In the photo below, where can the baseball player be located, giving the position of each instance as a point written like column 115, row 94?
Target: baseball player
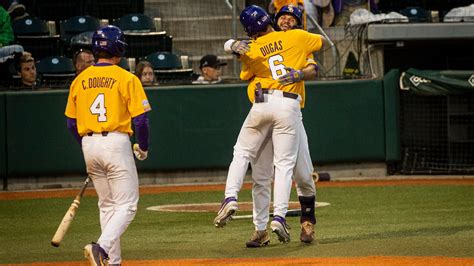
column 288, row 18
column 103, row 100
column 276, row 51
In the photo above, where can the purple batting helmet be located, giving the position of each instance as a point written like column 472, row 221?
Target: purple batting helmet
column 254, row 19
column 109, row 39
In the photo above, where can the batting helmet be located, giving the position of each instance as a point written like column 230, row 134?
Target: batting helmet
column 291, row 10
column 254, row 19
column 109, row 39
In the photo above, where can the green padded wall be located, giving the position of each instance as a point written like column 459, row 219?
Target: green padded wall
column 344, row 121
column 392, row 115
column 38, row 141
column 195, row 127
column 3, row 146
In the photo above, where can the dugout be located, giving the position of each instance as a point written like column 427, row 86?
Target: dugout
column 437, row 122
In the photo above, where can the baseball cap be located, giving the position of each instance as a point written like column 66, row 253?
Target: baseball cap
column 211, row 60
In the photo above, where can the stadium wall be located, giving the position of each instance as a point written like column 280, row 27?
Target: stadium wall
column 195, row 127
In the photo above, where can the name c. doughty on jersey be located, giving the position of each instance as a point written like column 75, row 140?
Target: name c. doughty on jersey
column 98, row 83
column 271, row 48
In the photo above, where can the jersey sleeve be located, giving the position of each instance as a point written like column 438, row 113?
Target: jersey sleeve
column 313, row 42
column 71, row 103
column 138, row 102
column 245, row 73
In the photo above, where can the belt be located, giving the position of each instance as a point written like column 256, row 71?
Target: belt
column 285, row 94
column 103, row 133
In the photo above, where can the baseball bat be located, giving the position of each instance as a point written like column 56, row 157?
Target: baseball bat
column 69, row 216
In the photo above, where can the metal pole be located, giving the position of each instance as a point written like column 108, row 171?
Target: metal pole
column 234, row 35
column 335, row 53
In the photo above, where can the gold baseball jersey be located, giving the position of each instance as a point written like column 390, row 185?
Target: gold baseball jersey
column 106, row 98
column 270, row 54
column 253, row 84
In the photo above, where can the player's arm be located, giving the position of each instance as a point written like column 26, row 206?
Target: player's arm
column 72, row 127
column 309, row 72
column 142, row 132
column 236, row 47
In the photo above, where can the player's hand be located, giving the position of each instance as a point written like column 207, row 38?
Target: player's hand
column 291, row 76
column 240, row 47
column 139, row 153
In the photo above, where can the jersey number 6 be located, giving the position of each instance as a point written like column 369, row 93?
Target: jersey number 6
column 276, row 66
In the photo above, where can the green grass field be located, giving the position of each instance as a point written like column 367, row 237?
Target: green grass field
column 406, row 220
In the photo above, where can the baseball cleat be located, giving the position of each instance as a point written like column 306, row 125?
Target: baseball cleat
column 259, row 238
column 307, row 232
column 228, row 208
column 95, row 254
column 281, row 229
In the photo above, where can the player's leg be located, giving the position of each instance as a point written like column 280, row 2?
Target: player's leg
column 305, row 188
column 95, row 169
column 262, row 175
column 123, row 184
column 252, row 134
column 285, row 145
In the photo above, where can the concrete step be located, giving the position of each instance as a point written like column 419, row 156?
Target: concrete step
column 202, row 27
column 189, row 8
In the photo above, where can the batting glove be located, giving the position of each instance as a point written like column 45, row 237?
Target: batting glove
column 291, row 76
column 139, row 153
column 237, row 47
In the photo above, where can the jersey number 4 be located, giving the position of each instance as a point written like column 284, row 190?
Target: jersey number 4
column 98, row 108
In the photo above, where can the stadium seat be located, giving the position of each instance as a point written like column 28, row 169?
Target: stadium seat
column 141, row 44
column 76, row 25
column 416, row 14
column 30, row 26
column 82, row 40
column 55, row 71
column 124, row 64
column 135, row 23
column 34, row 35
column 169, row 69
column 164, row 60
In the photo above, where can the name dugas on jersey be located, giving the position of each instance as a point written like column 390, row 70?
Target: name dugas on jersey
column 271, row 54
column 271, row 48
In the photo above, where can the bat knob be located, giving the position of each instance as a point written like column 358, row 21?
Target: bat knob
column 54, row 244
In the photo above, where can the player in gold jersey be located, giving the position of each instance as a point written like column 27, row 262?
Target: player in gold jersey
column 289, row 17
column 103, row 100
column 271, row 55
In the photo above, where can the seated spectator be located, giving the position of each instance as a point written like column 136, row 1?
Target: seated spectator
column 7, row 49
column 82, row 59
column 210, row 67
column 26, row 69
column 144, row 71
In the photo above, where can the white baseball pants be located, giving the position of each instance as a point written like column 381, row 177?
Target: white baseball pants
column 280, row 118
column 110, row 164
column 262, row 174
